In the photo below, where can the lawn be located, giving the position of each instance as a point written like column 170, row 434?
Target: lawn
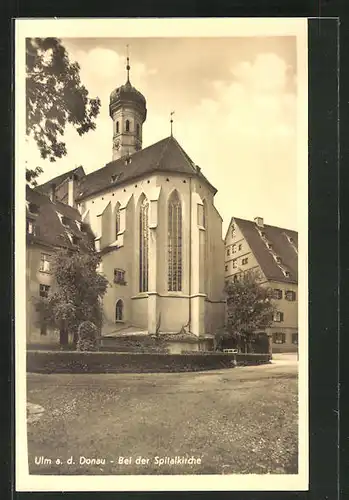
column 240, row 420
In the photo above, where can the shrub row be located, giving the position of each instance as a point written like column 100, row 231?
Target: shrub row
column 107, row 362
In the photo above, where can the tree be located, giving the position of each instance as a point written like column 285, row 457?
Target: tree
column 55, row 97
column 249, row 309
column 76, row 295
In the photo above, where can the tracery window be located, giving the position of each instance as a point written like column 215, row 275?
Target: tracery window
column 119, row 310
column 143, row 245
column 174, row 251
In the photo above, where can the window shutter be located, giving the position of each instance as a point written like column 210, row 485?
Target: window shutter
column 281, row 316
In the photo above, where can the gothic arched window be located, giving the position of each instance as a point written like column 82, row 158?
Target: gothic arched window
column 117, row 127
column 174, row 249
column 119, row 310
column 127, row 125
column 117, row 220
column 143, row 245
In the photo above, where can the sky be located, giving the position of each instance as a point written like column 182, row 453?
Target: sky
column 235, row 103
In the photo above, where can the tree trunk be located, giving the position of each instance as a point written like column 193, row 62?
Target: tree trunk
column 75, row 338
column 63, row 337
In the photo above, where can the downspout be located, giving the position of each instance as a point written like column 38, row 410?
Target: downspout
column 190, row 244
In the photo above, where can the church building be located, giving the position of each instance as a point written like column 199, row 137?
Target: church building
column 157, row 229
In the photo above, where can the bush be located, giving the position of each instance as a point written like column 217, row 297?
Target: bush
column 87, row 337
column 107, row 362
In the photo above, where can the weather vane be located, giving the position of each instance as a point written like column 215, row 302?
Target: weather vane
column 128, row 63
column 171, row 121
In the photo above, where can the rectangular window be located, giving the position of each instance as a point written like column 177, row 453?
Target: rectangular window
column 279, row 338
column 240, row 247
column 277, row 294
column 290, row 295
column 44, row 290
column 244, row 261
column 235, row 264
column 31, row 228
column 43, row 329
column 45, row 263
column 119, row 277
column 226, row 267
column 278, row 317
column 232, row 231
column 295, row 338
column 228, row 251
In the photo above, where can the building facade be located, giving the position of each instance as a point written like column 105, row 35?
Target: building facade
column 271, row 252
column 50, row 225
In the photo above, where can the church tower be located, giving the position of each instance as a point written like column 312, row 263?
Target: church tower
column 128, row 111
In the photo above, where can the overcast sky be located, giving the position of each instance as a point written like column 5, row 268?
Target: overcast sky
column 235, row 114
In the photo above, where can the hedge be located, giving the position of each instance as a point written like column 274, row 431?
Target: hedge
column 107, row 362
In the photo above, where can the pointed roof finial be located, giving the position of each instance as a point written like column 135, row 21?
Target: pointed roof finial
column 128, row 67
column 171, row 121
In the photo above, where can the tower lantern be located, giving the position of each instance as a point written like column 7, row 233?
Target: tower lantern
column 128, row 110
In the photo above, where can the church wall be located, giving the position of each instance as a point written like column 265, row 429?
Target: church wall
column 174, row 313
column 214, row 308
column 172, row 308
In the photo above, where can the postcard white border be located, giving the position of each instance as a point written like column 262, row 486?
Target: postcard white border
column 132, row 28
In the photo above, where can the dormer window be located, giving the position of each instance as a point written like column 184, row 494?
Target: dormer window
column 65, row 221
column 270, row 246
column 277, row 259
column 33, row 208
column 114, row 177
column 75, row 239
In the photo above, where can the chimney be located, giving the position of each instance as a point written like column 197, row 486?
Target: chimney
column 259, row 221
column 53, row 192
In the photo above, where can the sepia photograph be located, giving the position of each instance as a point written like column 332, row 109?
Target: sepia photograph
column 161, row 254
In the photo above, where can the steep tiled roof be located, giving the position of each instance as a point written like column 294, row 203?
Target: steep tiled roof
column 49, row 223
column 46, row 187
column 280, row 240
column 163, row 156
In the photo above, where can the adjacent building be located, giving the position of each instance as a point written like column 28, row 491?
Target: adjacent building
column 272, row 252
column 50, row 225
